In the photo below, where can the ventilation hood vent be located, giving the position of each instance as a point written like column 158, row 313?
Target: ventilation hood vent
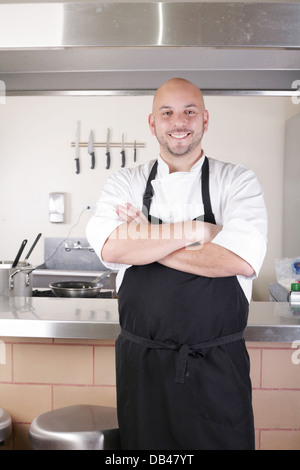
column 96, row 48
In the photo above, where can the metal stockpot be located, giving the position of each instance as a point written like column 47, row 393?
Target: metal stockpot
column 16, row 281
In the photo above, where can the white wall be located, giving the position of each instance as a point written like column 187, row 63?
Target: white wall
column 36, row 158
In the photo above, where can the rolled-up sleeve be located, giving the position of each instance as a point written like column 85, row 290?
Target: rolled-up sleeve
column 105, row 219
column 244, row 222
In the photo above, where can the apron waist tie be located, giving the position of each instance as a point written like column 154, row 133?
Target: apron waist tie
column 184, row 349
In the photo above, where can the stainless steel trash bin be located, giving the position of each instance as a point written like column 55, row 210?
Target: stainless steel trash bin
column 78, row 427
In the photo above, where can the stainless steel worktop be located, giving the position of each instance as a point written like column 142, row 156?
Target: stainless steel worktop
column 36, row 317
column 52, row 317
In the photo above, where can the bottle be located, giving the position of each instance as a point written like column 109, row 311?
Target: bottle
column 294, row 295
column 294, row 299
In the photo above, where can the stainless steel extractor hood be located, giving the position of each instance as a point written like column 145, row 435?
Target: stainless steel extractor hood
column 102, row 48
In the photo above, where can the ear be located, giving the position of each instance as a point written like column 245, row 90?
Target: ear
column 151, row 122
column 206, row 120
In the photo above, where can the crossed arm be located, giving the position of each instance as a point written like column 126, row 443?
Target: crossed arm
column 138, row 242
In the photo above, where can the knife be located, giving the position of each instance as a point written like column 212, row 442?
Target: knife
column 134, row 151
column 77, row 148
column 91, row 149
column 123, row 152
column 107, row 150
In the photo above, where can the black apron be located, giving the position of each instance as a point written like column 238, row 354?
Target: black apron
column 181, row 361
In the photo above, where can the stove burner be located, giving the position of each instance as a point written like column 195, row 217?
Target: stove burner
column 48, row 293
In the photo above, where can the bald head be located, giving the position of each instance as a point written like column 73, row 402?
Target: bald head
column 174, row 87
column 178, row 121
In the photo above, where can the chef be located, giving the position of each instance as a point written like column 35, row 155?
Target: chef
column 188, row 235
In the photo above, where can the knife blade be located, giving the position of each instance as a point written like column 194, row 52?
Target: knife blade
column 123, row 152
column 134, row 151
column 91, row 149
column 108, row 149
column 77, row 149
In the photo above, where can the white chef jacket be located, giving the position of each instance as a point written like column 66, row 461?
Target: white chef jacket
column 236, row 198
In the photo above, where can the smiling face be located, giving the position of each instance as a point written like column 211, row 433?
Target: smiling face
column 178, row 121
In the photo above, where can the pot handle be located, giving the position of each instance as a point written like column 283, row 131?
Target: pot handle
column 11, row 278
column 103, row 276
column 27, row 271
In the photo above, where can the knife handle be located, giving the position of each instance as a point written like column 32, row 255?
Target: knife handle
column 77, row 166
column 93, row 160
column 107, row 160
column 17, row 258
column 123, row 158
column 134, row 155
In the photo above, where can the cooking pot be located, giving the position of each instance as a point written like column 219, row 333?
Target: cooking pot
column 16, row 281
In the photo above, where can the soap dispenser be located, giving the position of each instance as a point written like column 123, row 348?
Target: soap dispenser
column 57, row 207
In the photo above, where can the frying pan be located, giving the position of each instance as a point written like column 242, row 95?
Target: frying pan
column 78, row 288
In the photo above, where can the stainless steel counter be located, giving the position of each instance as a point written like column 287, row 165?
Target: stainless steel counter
column 273, row 321
column 36, row 317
